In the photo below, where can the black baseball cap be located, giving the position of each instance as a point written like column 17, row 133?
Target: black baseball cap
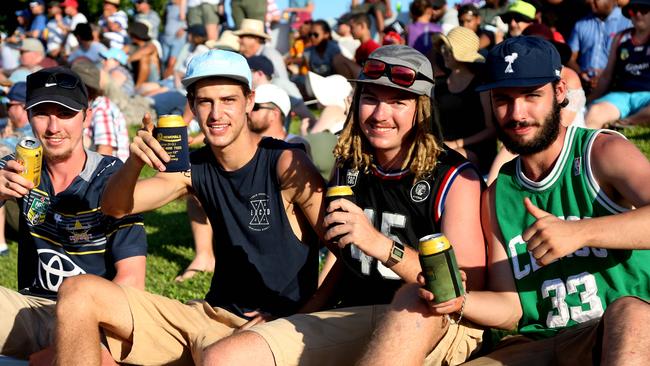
column 58, row 85
column 520, row 62
column 261, row 63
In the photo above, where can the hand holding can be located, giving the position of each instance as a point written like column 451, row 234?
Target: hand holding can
column 335, row 193
column 440, row 269
column 171, row 133
column 29, row 154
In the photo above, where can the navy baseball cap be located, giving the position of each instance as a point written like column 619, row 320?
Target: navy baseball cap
column 261, row 63
column 520, row 62
column 18, row 92
column 58, row 85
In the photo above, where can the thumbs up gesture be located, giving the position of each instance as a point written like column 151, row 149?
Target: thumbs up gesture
column 146, row 148
column 550, row 238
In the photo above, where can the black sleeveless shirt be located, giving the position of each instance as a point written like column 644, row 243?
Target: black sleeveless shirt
column 260, row 263
column 400, row 208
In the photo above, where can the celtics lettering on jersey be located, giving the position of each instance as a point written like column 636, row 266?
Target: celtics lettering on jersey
column 579, row 286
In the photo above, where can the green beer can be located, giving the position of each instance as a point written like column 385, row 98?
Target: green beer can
column 440, row 269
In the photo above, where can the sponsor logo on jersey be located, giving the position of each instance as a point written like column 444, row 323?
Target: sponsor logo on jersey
column 351, row 177
column 37, row 209
column 54, row 268
column 420, row 191
column 260, row 212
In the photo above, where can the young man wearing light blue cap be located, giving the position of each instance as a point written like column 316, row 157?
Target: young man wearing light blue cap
column 567, row 233
column 261, row 196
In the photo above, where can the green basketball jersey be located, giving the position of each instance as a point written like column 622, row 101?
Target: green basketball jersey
column 578, row 287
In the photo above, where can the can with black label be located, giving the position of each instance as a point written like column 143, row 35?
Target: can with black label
column 29, row 154
column 335, row 193
column 440, row 268
column 171, row 133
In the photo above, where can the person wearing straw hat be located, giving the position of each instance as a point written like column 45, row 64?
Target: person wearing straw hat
column 263, row 199
column 464, row 114
column 252, row 42
column 390, row 154
column 566, row 230
column 227, row 41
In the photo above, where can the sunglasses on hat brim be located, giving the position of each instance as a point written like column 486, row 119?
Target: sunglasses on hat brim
column 634, row 9
column 61, row 80
column 398, row 74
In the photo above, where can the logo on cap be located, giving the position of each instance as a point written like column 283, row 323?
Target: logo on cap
column 510, row 59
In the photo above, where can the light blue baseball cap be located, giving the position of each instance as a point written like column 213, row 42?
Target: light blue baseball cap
column 115, row 53
column 218, row 63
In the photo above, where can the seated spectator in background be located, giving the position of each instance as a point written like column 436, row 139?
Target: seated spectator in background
column 110, row 8
column 62, row 231
column 39, row 20
column 623, row 91
column 252, row 42
column 561, row 15
column 88, row 47
column 269, row 114
column 18, row 122
column 143, row 55
column 301, row 42
column 32, row 58
column 23, row 18
column 114, row 63
column 446, row 17
column 376, row 9
column 116, row 37
column 343, row 36
column 72, row 18
column 360, row 25
column 320, row 55
column 299, row 11
column 144, row 12
column 466, row 126
column 106, row 133
column 421, row 29
column 334, row 94
column 593, row 37
column 520, row 15
column 195, row 45
column 173, row 37
column 469, row 17
column 491, row 11
column 262, row 71
column 56, row 33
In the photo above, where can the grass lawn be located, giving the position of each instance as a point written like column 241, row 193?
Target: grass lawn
column 171, row 248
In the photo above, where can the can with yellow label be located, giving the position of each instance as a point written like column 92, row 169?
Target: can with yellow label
column 29, row 154
column 171, row 133
column 440, row 268
column 337, row 192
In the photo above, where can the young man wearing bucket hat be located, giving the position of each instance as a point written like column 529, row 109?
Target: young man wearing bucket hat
column 622, row 96
column 562, row 233
column 252, row 42
column 262, row 197
column 62, row 231
column 391, row 155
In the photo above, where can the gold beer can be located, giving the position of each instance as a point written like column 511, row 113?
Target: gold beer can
column 171, row 133
column 29, row 154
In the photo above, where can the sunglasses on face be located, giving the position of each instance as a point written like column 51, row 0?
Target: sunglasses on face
column 257, row 107
column 314, row 35
column 632, row 10
column 400, row 75
column 507, row 18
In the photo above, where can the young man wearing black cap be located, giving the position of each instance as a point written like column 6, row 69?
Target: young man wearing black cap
column 63, row 232
column 263, row 199
column 407, row 185
column 567, row 231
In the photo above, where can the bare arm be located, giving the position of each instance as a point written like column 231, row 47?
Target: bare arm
column 147, row 50
column 573, row 62
column 461, row 224
column 605, row 79
column 125, row 194
column 131, row 271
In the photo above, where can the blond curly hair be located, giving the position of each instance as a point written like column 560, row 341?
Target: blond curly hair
column 422, row 157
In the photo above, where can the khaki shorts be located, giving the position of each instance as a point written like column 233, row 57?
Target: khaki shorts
column 339, row 337
column 26, row 323
column 166, row 331
column 202, row 14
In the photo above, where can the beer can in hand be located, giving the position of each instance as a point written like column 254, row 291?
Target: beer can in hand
column 440, row 269
column 29, row 154
column 171, row 133
column 335, row 193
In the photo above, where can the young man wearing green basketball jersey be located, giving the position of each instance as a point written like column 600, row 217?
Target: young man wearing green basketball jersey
column 560, row 219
